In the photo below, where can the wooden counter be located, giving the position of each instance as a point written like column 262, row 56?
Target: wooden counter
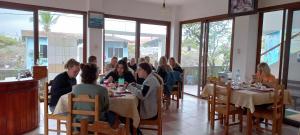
column 19, row 110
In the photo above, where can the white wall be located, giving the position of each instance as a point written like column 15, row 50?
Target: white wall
column 244, row 53
column 201, row 9
column 137, row 9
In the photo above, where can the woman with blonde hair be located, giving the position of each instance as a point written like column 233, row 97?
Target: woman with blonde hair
column 264, row 74
column 163, row 69
column 175, row 66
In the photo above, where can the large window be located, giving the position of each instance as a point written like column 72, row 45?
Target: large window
column 153, row 42
column 60, row 38
column 16, row 55
column 271, row 40
column 120, row 36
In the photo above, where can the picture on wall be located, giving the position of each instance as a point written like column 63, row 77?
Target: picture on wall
column 242, row 7
column 96, row 20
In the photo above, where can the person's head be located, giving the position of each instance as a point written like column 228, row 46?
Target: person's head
column 114, row 61
column 163, row 61
column 147, row 59
column 263, row 68
column 132, row 61
column 73, row 68
column 121, row 67
column 92, row 59
column 143, row 70
column 141, row 60
column 125, row 59
column 172, row 61
column 89, row 73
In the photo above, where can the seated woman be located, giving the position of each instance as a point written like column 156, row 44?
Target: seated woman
column 62, row 83
column 121, row 71
column 175, row 66
column 89, row 87
column 147, row 92
column 163, row 70
column 264, row 75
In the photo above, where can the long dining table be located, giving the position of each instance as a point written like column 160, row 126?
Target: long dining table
column 248, row 98
column 125, row 106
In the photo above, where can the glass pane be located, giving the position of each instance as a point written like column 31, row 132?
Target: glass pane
column 219, row 47
column 153, row 42
column 16, row 50
column 293, row 83
column 190, row 47
column 271, row 40
column 119, row 39
column 60, row 39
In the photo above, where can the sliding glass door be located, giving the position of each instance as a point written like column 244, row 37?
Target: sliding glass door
column 190, row 57
column 271, row 40
column 205, row 51
column 292, row 113
column 219, row 47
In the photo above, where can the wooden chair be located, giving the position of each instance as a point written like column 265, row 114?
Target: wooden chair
column 176, row 92
column 81, row 99
column 210, row 80
column 221, row 105
column 100, row 127
column 157, row 122
column 60, row 119
column 275, row 114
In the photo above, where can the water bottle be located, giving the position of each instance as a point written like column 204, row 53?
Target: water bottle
column 238, row 77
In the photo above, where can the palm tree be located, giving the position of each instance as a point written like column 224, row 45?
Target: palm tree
column 47, row 19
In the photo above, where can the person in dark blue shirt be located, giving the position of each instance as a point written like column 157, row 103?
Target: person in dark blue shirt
column 120, row 72
column 62, row 83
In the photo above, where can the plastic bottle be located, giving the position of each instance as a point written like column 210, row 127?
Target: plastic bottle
column 238, row 76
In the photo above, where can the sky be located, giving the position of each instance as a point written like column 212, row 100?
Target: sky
column 13, row 21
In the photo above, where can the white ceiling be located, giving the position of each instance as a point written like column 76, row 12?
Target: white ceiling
column 170, row 2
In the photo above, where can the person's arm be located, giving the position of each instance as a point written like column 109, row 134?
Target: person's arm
column 109, row 77
column 141, row 93
column 130, row 78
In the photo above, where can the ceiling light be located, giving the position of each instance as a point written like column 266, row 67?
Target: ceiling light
column 164, row 4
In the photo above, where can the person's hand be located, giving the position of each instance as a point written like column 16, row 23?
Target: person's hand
column 110, row 79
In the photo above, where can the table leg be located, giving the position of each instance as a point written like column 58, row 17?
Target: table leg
column 249, row 122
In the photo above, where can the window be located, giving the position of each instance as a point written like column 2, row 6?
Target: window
column 153, row 41
column 271, row 40
column 60, row 36
column 16, row 49
column 120, row 39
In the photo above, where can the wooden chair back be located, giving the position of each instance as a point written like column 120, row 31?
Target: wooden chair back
column 222, row 95
column 73, row 111
column 59, row 118
column 100, row 127
column 278, row 101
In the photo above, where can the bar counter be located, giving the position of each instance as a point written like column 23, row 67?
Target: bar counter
column 19, row 109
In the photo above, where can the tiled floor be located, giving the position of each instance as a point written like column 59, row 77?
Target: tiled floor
column 189, row 119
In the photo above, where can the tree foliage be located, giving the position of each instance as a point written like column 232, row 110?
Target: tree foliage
column 219, row 42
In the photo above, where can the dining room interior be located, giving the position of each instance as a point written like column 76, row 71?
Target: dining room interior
column 165, row 67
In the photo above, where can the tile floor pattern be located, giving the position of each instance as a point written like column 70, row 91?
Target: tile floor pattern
column 189, row 119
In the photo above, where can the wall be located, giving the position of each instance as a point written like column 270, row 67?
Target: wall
column 137, row 9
